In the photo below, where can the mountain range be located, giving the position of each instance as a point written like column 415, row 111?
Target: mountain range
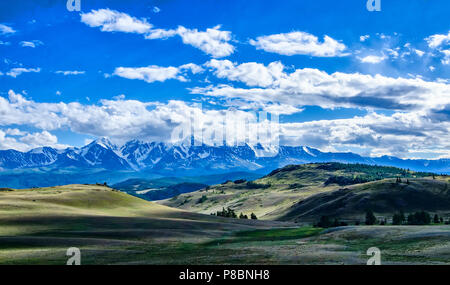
column 184, row 159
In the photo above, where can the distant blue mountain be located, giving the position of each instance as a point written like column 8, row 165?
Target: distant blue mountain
column 183, row 160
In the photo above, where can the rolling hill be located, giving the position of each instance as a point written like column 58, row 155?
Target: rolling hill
column 38, row 225
column 274, row 196
column 384, row 197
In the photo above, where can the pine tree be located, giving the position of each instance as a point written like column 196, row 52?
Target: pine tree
column 436, row 219
column 370, row 218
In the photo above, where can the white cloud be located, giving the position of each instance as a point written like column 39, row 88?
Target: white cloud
column 373, row 59
column 446, row 59
column 213, row 41
column 419, row 52
column 160, row 34
column 271, row 84
column 156, row 9
column 24, row 141
column 5, row 30
column 70, row 72
column 58, row 93
column 364, row 38
column 14, row 72
column 299, row 43
column 31, row 44
column 194, row 68
column 402, row 134
column 157, row 73
column 113, row 21
column 14, row 132
column 251, row 73
column 2, row 43
column 438, row 40
column 43, row 138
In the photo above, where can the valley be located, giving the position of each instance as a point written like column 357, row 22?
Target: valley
column 109, row 226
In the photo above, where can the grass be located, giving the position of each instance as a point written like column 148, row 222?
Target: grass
column 38, row 225
column 271, row 197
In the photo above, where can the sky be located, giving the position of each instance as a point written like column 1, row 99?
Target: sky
column 339, row 77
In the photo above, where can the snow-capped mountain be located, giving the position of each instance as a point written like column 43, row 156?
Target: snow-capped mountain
column 185, row 159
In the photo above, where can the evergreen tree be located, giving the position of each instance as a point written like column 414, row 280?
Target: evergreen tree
column 436, row 219
column 402, row 217
column 242, row 216
column 324, row 222
column 253, row 216
column 370, row 218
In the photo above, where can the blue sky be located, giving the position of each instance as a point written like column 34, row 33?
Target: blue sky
column 340, row 77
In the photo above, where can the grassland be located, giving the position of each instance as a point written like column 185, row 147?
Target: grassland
column 273, row 197
column 38, row 225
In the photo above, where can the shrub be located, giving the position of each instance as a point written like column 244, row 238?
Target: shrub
column 254, row 185
column 202, row 199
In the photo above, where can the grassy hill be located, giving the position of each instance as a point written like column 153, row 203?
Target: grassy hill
column 384, row 197
column 38, row 225
column 271, row 197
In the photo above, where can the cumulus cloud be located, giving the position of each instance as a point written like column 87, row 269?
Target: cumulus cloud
column 14, row 132
column 14, row 72
column 39, row 139
column 70, row 72
column 373, row 59
column 302, row 87
column 446, row 59
column 24, row 141
column 6, row 30
column 438, row 40
column 299, row 43
column 440, row 43
column 157, row 73
column 31, row 44
column 251, row 73
column 404, row 134
column 113, row 21
column 213, row 41
column 364, row 38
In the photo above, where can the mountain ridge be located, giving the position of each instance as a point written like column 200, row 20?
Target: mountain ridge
column 161, row 157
